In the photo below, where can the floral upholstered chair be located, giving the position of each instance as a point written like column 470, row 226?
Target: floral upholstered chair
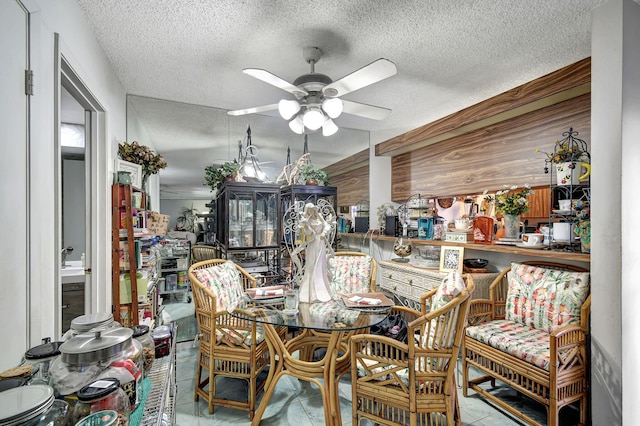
column 352, row 272
column 413, row 383
column 228, row 346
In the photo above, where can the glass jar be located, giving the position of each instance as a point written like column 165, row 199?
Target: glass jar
column 103, row 394
column 84, row 357
column 142, row 335
column 41, row 357
column 32, row 405
column 86, row 323
column 101, row 418
column 162, row 340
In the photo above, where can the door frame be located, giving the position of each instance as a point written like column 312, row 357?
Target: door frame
column 95, row 137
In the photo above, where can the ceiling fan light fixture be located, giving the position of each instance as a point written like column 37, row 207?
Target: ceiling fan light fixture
column 329, row 128
column 296, row 125
column 333, row 107
column 288, row 108
column 313, row 118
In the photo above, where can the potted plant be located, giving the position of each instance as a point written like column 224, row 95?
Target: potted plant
column 188, row 220
column 569, row 156
column 511, row 203
column 310, row 175
column 215, row 175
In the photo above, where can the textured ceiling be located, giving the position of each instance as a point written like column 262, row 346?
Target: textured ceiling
column 449, row 55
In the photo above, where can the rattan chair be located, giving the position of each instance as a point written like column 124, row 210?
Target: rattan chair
column 222, row 352
column 352, row 264
column 414, row 383
column 200, row 252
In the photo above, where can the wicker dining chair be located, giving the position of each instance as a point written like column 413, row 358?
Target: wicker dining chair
column 229, row 346
column 353, row 272
column 200, row 252
column 413, row 383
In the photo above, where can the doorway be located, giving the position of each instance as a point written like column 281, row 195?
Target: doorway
column 76, row 141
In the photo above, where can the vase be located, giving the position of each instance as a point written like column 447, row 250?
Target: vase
column 402, row 247
column 570, row 173
column 512, row 226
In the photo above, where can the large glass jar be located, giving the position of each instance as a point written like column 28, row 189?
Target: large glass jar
column 103, row 394
column 101, row 418
column 32, row 405
column 84, row 357
column 41, row 357
column 142, row 335
column 86, row 323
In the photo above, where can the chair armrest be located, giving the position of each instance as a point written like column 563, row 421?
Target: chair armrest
column 480, row 310
column 568, row 348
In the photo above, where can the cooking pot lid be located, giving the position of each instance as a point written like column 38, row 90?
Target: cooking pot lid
column 45, row 350
column 139, row 330
column 24, row 402
column 161, row 332
column 89, row 321
column 99, row 345
column 98, row 389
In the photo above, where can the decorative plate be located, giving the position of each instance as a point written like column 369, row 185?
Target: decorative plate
column 445, row 203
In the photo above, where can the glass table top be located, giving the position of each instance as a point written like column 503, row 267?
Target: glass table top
column 328, row 316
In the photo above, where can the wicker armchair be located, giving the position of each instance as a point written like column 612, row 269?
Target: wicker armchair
column 348, row 265
column 202, row 252
column 228, row 346
column 414, row 383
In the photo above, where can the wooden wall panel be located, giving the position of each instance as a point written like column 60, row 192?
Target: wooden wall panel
column 353, row 186
column 490, row 157
column 574, row 78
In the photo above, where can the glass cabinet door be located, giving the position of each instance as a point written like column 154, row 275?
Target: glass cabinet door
column 241, row 224
column 266, row 218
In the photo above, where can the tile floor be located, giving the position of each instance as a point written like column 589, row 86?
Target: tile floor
column 298, row 403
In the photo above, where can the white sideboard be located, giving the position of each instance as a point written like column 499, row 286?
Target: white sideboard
column 407, row 283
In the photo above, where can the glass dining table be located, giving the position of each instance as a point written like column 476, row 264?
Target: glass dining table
column 323, row 329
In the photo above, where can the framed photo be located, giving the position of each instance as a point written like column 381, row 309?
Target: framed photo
column 134, row 169
column 451, row 258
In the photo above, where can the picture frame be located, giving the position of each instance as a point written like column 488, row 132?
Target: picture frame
column 134, row 169
column 451, row 258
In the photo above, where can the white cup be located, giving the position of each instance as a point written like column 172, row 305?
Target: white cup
column 532, row 239
column 462, row 224
column 291, row 300
column 562, row 231
column 564, row 204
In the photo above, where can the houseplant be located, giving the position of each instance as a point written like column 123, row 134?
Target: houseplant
column 215, row 175
column 188, row 220
column 310, row 175
column 135, row 153
column 511, row 202
column 569, row 156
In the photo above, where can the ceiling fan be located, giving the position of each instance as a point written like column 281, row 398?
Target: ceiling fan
column 317, row 96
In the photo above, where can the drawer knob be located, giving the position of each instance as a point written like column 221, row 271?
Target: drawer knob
column 395, row 287
column 410, row 281
column 390, row 275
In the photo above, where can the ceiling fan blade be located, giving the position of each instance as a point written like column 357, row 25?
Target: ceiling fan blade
column 369, row 74
column 366, row 111
column 274, row 80
column 254, row 110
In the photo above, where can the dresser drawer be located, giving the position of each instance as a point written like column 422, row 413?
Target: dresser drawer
column 398, row 287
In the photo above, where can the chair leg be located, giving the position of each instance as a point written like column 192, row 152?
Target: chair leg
column 196, row 397
column 553, row 413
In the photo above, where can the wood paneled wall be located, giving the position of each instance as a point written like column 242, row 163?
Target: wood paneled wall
column 488, row 158
column 492, row 143
column 353, row 186
column 351, row 177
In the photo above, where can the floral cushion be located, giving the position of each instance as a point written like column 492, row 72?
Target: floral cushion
column 238, row 337
column 224, row 282
column 545, row 298
column 451, row 286
column 526, row 343
column 350, row 274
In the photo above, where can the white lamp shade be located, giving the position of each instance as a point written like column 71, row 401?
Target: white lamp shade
column 297, row 125
column 313, row 118
column 329, row 128
column 332, row 106
column 287, row 108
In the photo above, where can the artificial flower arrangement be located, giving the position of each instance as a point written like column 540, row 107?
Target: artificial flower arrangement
column 509, row 201
column 568, row 149
column 135, row 153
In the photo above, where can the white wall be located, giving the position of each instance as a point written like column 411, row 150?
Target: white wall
column 174, row 207
column 615, row 158
column 81, row 50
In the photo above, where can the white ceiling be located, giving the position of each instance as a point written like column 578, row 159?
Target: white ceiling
column 449, row 55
